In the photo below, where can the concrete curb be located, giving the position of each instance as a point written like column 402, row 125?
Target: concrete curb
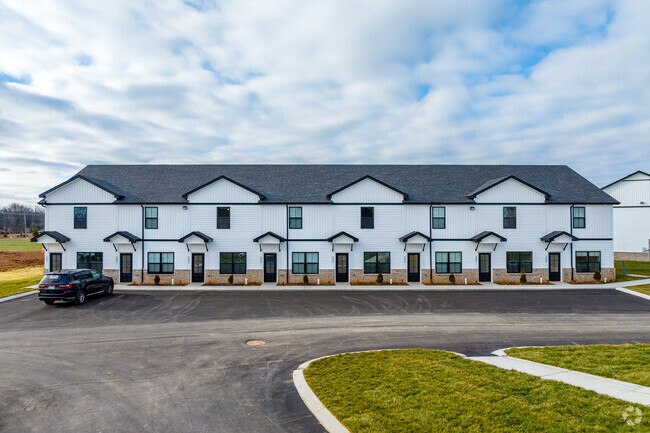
column 20, row 295
column 626, row 391
column 316, row 407
column 633, row 293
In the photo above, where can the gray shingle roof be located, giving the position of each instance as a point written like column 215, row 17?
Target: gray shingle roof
column 312, row 183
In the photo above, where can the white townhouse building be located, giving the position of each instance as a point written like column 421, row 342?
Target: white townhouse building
column 631, row 216
column 333, row 223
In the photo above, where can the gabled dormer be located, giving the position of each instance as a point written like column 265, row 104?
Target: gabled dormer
column 223, row 190
column 81, row 189
column 508, row 189
column 367, row 189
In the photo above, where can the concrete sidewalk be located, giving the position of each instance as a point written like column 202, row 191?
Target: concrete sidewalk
column 394, row 287
column 626, row 391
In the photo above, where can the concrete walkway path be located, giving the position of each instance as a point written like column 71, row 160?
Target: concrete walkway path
column 626, row 391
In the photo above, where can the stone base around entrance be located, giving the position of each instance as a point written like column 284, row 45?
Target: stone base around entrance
column 214, row 277
column 326, row 277
column 501, row 276
column 113, row 273
column 181, row 277
column 470, row 274
column 357, row 276
column 588, row 277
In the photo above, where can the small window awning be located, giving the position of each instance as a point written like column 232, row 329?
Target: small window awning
column 50, row 237
column 122, row 238
column 487, row 237
column 196, row 238
column 415, row 238
column 342, row 239
column 558, row 237
column 269, row 240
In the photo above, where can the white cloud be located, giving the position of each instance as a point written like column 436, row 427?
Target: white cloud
column 339, row 81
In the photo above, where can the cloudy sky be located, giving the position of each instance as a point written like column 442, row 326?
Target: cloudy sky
column 337, row 81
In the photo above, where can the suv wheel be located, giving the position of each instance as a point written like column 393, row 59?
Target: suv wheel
column 49, row 301
column 108, row 290
column 81, row 297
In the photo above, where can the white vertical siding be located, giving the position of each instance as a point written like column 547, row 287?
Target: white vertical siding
column 367, row 191
column 173, row 223
column 223, row 191
column 510, row 191
column 317, row 222
column 79, row 191
column 631, row 229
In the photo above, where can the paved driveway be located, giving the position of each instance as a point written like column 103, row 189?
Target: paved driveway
column 178, row 362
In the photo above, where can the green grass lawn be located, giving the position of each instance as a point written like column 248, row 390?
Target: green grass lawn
column 19, row 244
column 13, row 282
column 420, row 390
column 629, row 363
column 642, row 288
column 638, row 268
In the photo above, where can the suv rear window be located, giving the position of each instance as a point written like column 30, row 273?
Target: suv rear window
column 55, row 279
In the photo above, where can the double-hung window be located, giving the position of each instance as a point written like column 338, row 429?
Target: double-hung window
column 151, row 217
column 160, row 263
column 519, row 261
column 90, row 261
column 587, row 261
column 579, row 218
column 509, row 217
column 375, row 263
column 223, row 217
column 80, row 217
column 232, row 263
column 295, row 217
column 449, row 263
column 438, row 215
column 304, row 263
column 367, row 217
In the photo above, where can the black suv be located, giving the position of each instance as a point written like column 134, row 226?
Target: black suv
column 73, row 285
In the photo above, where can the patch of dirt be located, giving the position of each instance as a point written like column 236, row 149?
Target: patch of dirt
column 10, row 260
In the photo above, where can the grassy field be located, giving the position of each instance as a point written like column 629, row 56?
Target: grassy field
column 427, row 390
column 13, row 282
column 638, row 268
column 18, row 244
column 629, row 363
column 643, row 288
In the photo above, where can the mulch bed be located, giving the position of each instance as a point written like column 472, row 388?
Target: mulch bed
column 10, row 260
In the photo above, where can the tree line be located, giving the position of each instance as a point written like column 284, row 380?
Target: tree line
column 18, row 218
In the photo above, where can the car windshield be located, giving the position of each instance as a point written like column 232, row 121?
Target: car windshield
column 55, row 279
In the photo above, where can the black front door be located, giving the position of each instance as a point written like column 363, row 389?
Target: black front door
column 342, row 268
column 198, row 268
column 270, row 268
column 413, row 268
column 55, row 262
column 126, row 268
column 484, row 267
column 554, row 268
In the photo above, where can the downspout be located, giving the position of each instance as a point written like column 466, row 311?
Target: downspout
column 431, row 243
column 142, row 248
column 286, row 206
column 571, row 231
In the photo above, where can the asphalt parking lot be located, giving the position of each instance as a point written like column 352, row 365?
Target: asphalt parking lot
column 178, row 362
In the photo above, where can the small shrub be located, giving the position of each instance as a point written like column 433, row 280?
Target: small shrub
column 597, row 276
column 522, row 278
column 231, row 279
column 35, row 232
column 452, row 278
column 305, row 279
column 380, row 278
column 156, row 280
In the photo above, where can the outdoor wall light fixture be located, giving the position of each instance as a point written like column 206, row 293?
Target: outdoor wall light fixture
column 471, row 208
column 184, row 207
